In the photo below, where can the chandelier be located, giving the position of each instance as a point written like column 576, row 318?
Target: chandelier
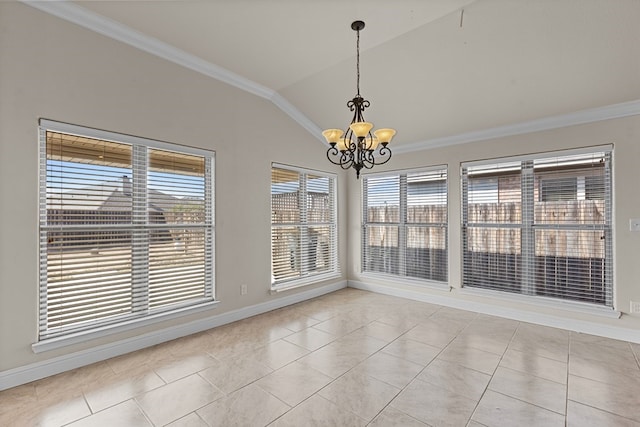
column 357, row 148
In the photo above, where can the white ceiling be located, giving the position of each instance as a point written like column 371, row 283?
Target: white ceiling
column 427, row 72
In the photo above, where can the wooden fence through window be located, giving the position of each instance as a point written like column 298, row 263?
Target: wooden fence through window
column 551, row 238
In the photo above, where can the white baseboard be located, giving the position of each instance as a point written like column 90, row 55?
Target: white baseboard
column 35, row 371
column 582, row 326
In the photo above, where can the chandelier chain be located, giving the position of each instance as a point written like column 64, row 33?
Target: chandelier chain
column 358, row 62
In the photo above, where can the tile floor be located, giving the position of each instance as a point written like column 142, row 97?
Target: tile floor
column 350, row 358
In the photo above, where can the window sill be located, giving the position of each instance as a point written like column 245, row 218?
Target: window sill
column 127, row 325
column 540, row 301
column 311, row 280
column 409, row 281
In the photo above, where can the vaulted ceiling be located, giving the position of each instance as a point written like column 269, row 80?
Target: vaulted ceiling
column 431, row 68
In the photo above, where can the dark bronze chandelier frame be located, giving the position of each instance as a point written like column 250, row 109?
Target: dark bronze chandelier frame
column 351, row 150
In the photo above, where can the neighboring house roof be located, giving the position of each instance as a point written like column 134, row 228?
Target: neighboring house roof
column 112, row 196
column 86, row 198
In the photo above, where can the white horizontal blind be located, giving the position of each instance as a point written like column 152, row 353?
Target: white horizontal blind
column 303, row 225
column 180, row 231
column 405, row 224
column 114, row 219
column 492, row 219
column 543, row 228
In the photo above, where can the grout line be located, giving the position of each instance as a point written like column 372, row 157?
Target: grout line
column 494, row 371
column 408, row 327
column 633, row 420
column 636, row 355
column 415, row 377
column 529, row 403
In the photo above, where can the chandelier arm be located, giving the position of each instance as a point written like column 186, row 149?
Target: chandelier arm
column 368, row 160
column 346, row 159
column 347, row 166
column 340, row 158
column 384, row 151
column 332, row 151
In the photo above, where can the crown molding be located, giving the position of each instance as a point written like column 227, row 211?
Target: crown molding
column 110, row 28
column 614, row 111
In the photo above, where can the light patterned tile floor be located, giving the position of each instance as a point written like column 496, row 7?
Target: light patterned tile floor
column 350, row 358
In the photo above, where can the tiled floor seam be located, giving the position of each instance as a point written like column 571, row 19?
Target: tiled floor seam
column 412, row 379
column 529, row 403
column 566, row 395
column 604, row 410
column 146, row 416
column 352, row 368
column 635, row 354
column 291, row 408
column 494, row 371
column 525, row 350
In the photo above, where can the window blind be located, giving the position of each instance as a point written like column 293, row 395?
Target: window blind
column 405, row 224
column 303, row 225
column 542, row 227
column 126, row 230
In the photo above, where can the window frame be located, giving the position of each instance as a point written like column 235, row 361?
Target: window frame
column 403, row 224
column 306, row 276
column 138, row 315
column 529, row 225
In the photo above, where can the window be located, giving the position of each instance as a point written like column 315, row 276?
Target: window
column 126, row 228
column 546, row 232
column 405, row 224
column 303, row 226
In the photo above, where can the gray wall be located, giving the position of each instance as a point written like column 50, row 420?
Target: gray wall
column 623, row 134
column 52, row 69
column 56, row 70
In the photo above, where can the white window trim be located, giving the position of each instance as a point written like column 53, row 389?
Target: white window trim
column 120, row 137
column 545, row 302
column 536, row 156
column 135, row 320
column 305, row 281
column 403, row 172
column 127, row 325
column 295, row 283
column 407, row 280
column 537, row 300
